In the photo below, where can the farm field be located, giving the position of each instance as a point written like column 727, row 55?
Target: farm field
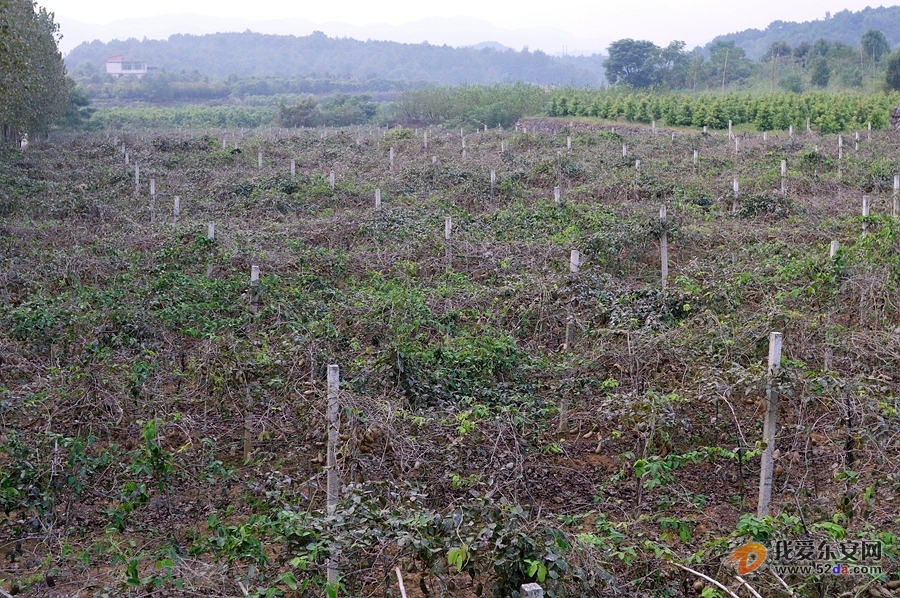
column 509, row 412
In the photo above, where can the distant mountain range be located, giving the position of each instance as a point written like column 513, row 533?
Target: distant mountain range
column 457, row 32
column 845, row 26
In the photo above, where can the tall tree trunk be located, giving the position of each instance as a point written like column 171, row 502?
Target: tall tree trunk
column 724, row 70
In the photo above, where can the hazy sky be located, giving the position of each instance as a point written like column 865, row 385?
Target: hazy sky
column 693, row 21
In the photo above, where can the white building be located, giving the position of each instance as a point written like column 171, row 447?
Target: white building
column 117, row 66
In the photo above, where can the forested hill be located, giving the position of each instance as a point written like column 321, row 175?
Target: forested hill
column 845, row 26
column 255, row 54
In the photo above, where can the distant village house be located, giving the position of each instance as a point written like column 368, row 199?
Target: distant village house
column 116, row 65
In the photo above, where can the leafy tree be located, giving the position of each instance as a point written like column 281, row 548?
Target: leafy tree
column 13, row 61
column 696, row 65
column 630, row 62
column 892, row 76
column 801, row 52
column 671, row 64
column 874, row 44
column 343, row 110
column 305, row 113
column 852, row 76
column 792, row 83
column 159, row 90
column 820, row 47
column 778, row 49
column 728, row 62
column 475, row 106
column 33, row 87
column 820, row 72
column 79, row 111
column 491, row 115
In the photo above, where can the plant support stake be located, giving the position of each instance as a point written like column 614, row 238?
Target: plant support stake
column 784, row 178
column 574, row 261
column 865, row 214
column 333, row 482
column 574, row 268
column 663, row 247
column 248, row 426
column 737, row 190
column 769, row 427
column 448, row 227
column 895, row 200
column 400, row 581
column 531, row 590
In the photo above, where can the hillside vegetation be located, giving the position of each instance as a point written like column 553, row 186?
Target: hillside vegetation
column 163, row 420
column 844, row 26
column 249, row 54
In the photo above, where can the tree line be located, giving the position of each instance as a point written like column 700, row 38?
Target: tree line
column 467, row 106
column 193, row 87
column 724, row 65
